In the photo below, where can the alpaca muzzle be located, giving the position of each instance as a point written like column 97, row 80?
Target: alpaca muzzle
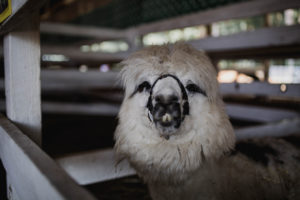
column 167, row 104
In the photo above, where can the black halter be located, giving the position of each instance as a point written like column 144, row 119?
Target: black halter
column 186, row 107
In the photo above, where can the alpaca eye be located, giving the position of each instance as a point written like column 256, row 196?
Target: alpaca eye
column 193, row 88
column 144, row 86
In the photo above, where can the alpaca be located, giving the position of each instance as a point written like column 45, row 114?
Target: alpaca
column 174, row 131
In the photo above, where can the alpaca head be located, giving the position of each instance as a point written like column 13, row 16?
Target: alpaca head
column 172, row 118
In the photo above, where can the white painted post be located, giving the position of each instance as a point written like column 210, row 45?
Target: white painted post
column 22, row 77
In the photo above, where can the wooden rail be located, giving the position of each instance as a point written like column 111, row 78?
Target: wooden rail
column 95, row 166
column 259, row 113
column 259, row 39
column 22, row 78
column 233, row 11
column 33, row 174
column 85, row 31
column 262, row 38
column 260, row 89
column 74, row 54
column 281, row 128
column 64, row 80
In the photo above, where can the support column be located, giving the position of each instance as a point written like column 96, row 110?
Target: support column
column 22, row 77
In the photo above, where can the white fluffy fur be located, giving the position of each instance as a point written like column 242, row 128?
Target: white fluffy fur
column 205, row 134
column 190, row 164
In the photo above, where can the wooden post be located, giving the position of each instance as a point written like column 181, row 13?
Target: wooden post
column 22, row 77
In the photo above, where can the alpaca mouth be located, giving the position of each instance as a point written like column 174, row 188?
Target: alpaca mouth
column 167, row 118
column 167, row 106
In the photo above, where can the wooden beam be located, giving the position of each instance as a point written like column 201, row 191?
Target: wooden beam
column 22, row 78
column 75, row 54
column 235, row 111
column 99, row 109
column 96, row 166
column 233, row 11
column 260, row 89
column 259, row 113
column 261, row 38
column 53, row 80
column 60, row 80
column 21, row 11
column 92, row 167
column 76, row 80
column 278, row 129
column 262, row 53
column 241, row 43
column 33, row 173
column 84, row 31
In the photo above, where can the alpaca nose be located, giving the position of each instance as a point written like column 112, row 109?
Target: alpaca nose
column 166, row 110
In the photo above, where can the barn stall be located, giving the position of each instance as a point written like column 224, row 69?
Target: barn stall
column 60, row 94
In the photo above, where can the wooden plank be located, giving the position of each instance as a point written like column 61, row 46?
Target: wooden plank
column 59, row 80
column 233, row 11
column 260, row 89
column 92, row 167
column 21, row 11
column 75, row 54
column 74, row 80
column 33, row 173
column 262, row 53
column 96, row 166
column 273, row 37
column 84, row 31
column 261, row 38
column 236, row 111
column 11, row 191
column 279, row 129
column 259, row 113
column 98, row 109
column 22, row 78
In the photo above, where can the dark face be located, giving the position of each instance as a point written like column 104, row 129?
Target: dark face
column 168, row 102
column 167, row 113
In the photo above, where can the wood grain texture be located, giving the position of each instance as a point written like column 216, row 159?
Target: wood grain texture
column 96, row 166
column 22, row 79
column 281, row 128
column 260, row 89
column 85, row 31
column 33, row 174
column 75, row 54
column 259, row 113
column 233, row 11
column 241, row 43
column 262, row 38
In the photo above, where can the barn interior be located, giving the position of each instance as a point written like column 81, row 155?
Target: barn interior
column 253, row 44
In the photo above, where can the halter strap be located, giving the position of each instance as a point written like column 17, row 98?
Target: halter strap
column 183, row 93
